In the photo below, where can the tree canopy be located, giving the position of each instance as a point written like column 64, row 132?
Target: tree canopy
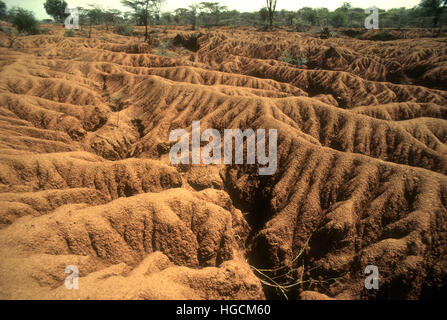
column 429, row 13
column 2, row 10
column 56, row 9
column 23, row 20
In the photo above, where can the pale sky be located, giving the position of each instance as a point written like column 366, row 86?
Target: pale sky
column 240, row 5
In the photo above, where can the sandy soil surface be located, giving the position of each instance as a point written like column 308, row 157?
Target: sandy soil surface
column 86, row 180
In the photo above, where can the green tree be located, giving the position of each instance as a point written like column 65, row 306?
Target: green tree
column 95, row 16
column 2, row 10
column 141, row 8
column 156, row 6
column 83, row 18
column 290, row 16
column 193, row 12
column 264, row 15
column 110, row 17
column 338, row 18
column 309, row 15
column 357, row 17
column 56, row 9
column 230, row 18
column 167, row 18
column 434, row 8
column 137, row 7
column 180, row 16
column 394, row 18
column 346, row 8
column 144, row 10
column 211, row 12
column 322, row 15
column 23, row 20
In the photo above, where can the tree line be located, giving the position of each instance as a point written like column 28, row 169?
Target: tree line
column 428, row 14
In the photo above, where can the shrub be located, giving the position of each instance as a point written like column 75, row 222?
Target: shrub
column 24, row 21
column 8, row 30
column 288, row 57
column 11, row 33
column 69, row 33
column 123, row 29
column 162, row 49
column 301, row 60
column 383, row 36
column 297, row 60
column 3, row 14
column 117, row 103
column 353, row 33
column 325, row 33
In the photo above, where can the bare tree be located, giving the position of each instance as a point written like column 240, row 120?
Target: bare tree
column 271, row 7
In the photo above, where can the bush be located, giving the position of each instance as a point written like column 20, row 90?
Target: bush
column 24, row 21
column 11, row 33
column 353, row 33
column 162, row 49
column 124, row 29
column 69, row 33
column 288, row 57
column 9, row 30
column 325, row 33
column 297, row 60
column 3, row 14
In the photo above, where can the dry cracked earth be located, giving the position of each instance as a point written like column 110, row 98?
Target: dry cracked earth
column 86, row 180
